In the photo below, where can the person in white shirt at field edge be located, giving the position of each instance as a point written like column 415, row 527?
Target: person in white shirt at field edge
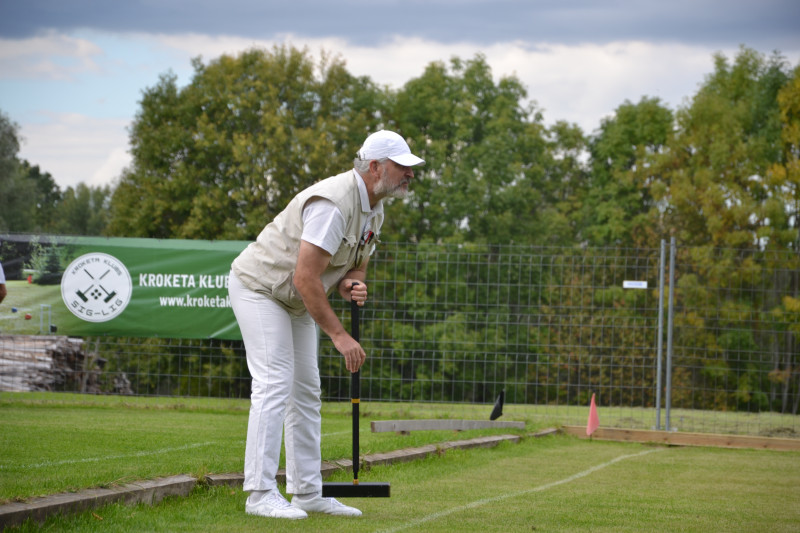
column 279, row 288
column 3, row 290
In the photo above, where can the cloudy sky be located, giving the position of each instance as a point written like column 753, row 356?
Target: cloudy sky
column 72, row 71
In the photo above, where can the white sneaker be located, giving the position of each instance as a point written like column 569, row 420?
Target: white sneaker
column 274, row 505
column 325, row 505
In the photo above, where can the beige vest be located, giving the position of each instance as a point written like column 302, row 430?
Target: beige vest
column 267, row 265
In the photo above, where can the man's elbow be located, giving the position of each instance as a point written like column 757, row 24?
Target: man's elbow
column 303, row 283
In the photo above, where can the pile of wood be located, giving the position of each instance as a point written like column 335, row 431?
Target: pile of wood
column 43, row 363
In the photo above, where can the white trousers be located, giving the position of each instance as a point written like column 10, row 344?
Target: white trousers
column 285, row 394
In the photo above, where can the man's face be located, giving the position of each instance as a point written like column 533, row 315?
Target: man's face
column 395, row 180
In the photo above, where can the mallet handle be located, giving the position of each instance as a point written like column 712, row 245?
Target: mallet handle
column 355, row 390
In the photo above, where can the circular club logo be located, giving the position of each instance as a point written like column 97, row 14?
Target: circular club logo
column 96, row 287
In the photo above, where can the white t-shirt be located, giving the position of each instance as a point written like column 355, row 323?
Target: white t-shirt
column 2, row 274
column 324, row 224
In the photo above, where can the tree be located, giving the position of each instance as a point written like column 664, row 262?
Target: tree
column 32, row 202
column 83, row 210
column 485, row 157
column 46, row 195
column 785, row 226
column 728, row 139
column 728, row 201
column 783, row 178
column 565, row 186
column 624, row 162
column 17, row 194
column 221, row 157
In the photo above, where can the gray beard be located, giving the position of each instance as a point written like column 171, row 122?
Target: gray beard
column 383, row 190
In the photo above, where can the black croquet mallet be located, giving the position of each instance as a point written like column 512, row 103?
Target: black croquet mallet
column 355, row 489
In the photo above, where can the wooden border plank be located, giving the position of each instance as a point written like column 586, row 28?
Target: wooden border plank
column 676, row 438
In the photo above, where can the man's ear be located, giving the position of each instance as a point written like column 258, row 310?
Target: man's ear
column 374, row 168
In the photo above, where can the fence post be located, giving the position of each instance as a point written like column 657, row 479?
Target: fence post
column 670, row 321
column 660, row 334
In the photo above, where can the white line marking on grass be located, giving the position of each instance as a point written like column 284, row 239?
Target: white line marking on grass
column 110, row 457
column 126, row 455
column 540, row 488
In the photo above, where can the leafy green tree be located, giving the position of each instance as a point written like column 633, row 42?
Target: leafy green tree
column 17, row 194
column 485, row 157
column 46, row 195
column 729, row 137
column 32, row 202
column 624, row 156
column 9, row 145
column 785, row 233
column 566, row 185
column 222, row 156
column 83, row 210
column 728, row 202
column 783, row 178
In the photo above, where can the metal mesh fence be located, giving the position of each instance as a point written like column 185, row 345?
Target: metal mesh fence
column 549, row 326
column 736, row 345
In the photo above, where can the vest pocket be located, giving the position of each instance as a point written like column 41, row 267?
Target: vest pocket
column 363, row 253
column 344, row 254
column 284, row 290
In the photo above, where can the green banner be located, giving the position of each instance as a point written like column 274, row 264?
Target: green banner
column 86, row 286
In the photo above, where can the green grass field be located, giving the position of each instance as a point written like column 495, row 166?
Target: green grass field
column 26, row 298
column 62, row 442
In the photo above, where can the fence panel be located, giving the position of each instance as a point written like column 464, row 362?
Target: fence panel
column 549, row 326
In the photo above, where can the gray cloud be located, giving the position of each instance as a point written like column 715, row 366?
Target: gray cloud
column 766, row 25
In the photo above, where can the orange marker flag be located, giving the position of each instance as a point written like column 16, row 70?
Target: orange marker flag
column 593, row 423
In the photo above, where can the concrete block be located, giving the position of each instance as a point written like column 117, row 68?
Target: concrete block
column 406, row 426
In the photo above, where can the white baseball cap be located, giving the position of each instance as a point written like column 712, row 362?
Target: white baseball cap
column 388, row 144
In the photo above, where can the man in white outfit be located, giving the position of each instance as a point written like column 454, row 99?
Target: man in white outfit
column 279, row 288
